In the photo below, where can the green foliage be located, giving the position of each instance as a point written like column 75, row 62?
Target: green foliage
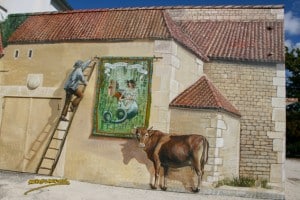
column 264, row 184
column 244, row 182
column 10, row 25
column 292, row 63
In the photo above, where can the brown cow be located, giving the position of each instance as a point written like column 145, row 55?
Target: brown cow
column 173, row 151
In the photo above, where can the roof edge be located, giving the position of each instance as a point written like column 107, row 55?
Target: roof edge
column 179, row 36
column 278, row 6
column 217, row 109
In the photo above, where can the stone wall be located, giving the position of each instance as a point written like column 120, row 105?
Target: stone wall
column 232, row 13
column 223, row 134
column 176, row 71
column 257, row 90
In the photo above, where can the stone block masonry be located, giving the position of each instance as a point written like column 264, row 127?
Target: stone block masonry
column 228, row 13
column 256, row 90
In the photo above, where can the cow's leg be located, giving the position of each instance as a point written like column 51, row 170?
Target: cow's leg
column 156, row 159
column 196, row 162
column 198, row 172
column 156, row 169
column 164, row 186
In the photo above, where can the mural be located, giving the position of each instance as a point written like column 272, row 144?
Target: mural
column 123, row 95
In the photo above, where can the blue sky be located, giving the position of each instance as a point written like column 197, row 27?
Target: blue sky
column 292, row 10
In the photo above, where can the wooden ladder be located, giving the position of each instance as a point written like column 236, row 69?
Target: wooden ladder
column 59, row 134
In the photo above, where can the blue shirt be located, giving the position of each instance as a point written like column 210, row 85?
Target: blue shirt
column 76, row 76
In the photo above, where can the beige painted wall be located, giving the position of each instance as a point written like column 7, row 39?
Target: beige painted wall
column 223, row 133
column 25, row 126
column 111, row 161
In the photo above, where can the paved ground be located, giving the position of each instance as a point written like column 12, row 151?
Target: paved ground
column 13, row 186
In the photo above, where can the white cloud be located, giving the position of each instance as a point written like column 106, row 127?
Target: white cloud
column 297, row 45
column 291, row 24
column 288, row 44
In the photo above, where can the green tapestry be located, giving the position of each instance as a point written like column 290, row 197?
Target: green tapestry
column 123, row 95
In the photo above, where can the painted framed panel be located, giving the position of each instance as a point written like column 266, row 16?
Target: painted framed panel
column 123, row 95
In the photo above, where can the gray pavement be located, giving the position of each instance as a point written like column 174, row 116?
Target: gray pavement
column 13, row 185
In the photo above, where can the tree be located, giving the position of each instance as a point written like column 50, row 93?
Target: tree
column 292, row 63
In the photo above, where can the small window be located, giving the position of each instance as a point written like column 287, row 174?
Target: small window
column 17, row 54
column 30, row 53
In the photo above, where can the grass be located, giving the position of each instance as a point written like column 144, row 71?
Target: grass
column 244, row 182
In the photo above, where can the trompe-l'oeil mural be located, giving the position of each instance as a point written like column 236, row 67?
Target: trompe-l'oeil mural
column 123, row 95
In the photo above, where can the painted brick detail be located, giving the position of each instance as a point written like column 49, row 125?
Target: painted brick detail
column 250, row 88
column 221, row 14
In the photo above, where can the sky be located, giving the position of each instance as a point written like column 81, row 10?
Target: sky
column 291, row 10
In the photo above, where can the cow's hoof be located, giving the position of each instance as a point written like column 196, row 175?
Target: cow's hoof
column 195, row 190
column 164, row 188
column 153, row 187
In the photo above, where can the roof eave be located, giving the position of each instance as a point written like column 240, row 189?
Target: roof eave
column 217, row 109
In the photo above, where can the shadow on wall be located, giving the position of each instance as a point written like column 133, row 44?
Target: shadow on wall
column 185, row 175
column 36, row 148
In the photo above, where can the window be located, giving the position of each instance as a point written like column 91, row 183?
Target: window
column 30, row 53
column 16, row 53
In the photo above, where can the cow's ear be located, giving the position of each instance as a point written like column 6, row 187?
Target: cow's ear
column 149, row 129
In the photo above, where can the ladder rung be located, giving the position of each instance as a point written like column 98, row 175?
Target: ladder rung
column 56, row 138
column 53, row 148
column 49, row 158
column 45, row 168
column 59, row 129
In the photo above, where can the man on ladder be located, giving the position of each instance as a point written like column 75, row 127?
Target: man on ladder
column 72, row 87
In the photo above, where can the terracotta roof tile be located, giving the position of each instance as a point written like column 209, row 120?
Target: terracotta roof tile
column 183, row 38
column 254, row 40
column 91, row 25
column 203, row 95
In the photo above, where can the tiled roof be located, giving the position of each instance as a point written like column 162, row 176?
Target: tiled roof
column 92, row 25
column 182, row 38
column 203, row 95
column 253, row 40
column 233, row 40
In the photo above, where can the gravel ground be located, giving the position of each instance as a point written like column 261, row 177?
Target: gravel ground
column 13, row 185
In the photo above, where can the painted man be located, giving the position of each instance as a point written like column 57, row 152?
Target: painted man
column 72, row 87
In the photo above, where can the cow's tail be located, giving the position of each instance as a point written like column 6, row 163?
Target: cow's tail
column 204, row 157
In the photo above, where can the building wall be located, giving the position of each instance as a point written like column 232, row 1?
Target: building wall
column 230, row 13
column 175, row 72
column 112, row 161
column 223, row 133
column 29, row 6
column 256, row 89
column 258, row 92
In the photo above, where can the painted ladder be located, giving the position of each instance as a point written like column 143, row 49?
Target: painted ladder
column 59, row 134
